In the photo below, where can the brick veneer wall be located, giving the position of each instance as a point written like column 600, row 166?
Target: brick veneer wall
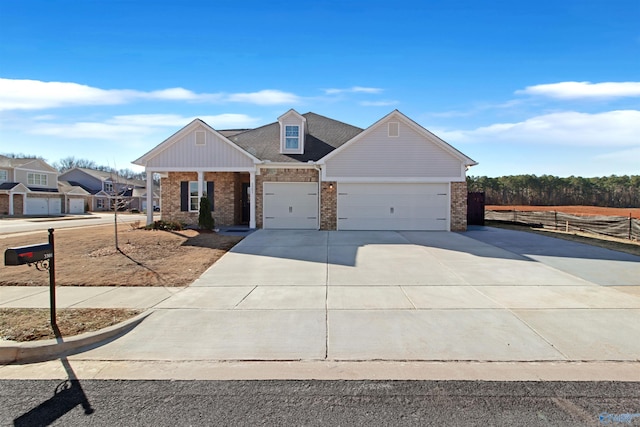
column 224, row 197
column 4, row 204
column 279, row 175
column 458, row 206
column 328, row 205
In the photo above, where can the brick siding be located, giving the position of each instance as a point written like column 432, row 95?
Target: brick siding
column 458, row 206
column 328, row 206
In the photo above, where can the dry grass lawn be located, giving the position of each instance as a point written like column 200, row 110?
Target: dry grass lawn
column 88, row 257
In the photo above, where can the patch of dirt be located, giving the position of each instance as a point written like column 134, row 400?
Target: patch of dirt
column 89, row 257
column 30, row 324
column 571, row 210
column 612, row 243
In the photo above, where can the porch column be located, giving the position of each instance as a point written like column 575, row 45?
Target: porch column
column 252, row 195
column 10, row 203
column 149, row 196
column 200, row 186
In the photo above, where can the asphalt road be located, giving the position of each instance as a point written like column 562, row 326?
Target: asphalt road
column 23, row 225
column 170, row 403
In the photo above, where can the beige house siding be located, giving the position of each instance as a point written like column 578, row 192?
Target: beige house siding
column 216, row 152
column 22, row 176
column 279, row 175
column 414, row 156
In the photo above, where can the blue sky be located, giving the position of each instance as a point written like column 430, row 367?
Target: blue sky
column 522, row 87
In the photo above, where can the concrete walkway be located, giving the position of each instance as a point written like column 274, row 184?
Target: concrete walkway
column 485, row 295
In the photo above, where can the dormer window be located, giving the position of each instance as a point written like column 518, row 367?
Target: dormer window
column 292, row 132
column 292, row 138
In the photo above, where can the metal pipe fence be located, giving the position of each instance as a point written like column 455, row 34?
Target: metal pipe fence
column 613, row 226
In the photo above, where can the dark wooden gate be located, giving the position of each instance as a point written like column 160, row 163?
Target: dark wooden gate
column 475, row 208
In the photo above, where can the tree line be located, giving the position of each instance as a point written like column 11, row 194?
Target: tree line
column 547, row 190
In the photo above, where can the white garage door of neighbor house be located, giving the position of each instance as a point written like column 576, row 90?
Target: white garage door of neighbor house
column 42, row 206
column 393, row 206
column 292, row 205
column 76, row 206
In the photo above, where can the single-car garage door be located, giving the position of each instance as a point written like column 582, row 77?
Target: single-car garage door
column 76, row 206
column 291, row 205
column 393, row 206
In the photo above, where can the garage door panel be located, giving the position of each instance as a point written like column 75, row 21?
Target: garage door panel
column 76, row 206
column 291, row 205
column 393, row 206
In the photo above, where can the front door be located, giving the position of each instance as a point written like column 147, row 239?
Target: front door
column 246, row 202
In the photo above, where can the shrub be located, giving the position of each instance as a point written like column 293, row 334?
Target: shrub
column 165, row 225
column 205, row 220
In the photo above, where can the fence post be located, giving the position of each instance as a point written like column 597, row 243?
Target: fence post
column 555, row 219
column 630, row 225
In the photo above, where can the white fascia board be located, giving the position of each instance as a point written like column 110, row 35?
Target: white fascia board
column 286, row 166
column 393, row 180
column 202, row 169
column 142, row 161
column 47, row 166
column 295, row 113
column 19, row 189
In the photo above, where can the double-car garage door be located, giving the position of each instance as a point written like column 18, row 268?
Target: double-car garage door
column 43, row 206
column 363, row 206
column 393, row 206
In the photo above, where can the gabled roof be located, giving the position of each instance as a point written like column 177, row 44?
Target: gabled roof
column 108, row 176
column 10, row 162
column 323, row 135
column 66, row 187
column 142, row 161
column 7, row 187
column 397, row 115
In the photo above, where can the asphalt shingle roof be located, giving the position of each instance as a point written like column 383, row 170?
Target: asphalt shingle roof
column 323, row 136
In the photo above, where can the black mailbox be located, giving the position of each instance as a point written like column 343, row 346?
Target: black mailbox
column 28, row 254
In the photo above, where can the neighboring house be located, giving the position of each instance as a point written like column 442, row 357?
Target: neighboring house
column 312, row 172
column 29, row 186
column 108, row 189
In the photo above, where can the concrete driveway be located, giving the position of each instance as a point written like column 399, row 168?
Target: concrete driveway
column 483, row 295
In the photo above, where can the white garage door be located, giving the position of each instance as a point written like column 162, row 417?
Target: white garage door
column 76, row 206
column 292, row 205
column 42, row 206
column 37, row 206
column 55, row 206
column 393, row 206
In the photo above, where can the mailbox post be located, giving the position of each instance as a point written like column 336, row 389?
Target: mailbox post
column 43, row 257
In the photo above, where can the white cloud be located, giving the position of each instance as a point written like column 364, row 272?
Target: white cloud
column 265, row 97
column 18, row 94
column 354, row 89
column 137, row 125
column 378, row 103
column 612, row 128
column 576, row 90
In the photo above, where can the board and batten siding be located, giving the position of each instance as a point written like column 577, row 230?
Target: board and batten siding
column 215, row 152
column 409, row 155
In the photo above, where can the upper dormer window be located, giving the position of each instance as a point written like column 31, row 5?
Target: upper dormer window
column 292, row 132
column 292, row 138
column 108, row 186
column 3, row 176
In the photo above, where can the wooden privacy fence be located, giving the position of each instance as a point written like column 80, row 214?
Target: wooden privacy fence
column 614, row 226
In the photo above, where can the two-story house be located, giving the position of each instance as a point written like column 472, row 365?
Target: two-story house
column 107, row 189
column 30, row 186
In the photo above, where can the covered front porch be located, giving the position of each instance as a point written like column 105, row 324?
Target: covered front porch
column 231, row 194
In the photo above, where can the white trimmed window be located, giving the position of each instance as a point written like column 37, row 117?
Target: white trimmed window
column 36, row 178
column 194, row 202
column 108, row 187
column 292, row 137
column 3, row 175
column 100, row 204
